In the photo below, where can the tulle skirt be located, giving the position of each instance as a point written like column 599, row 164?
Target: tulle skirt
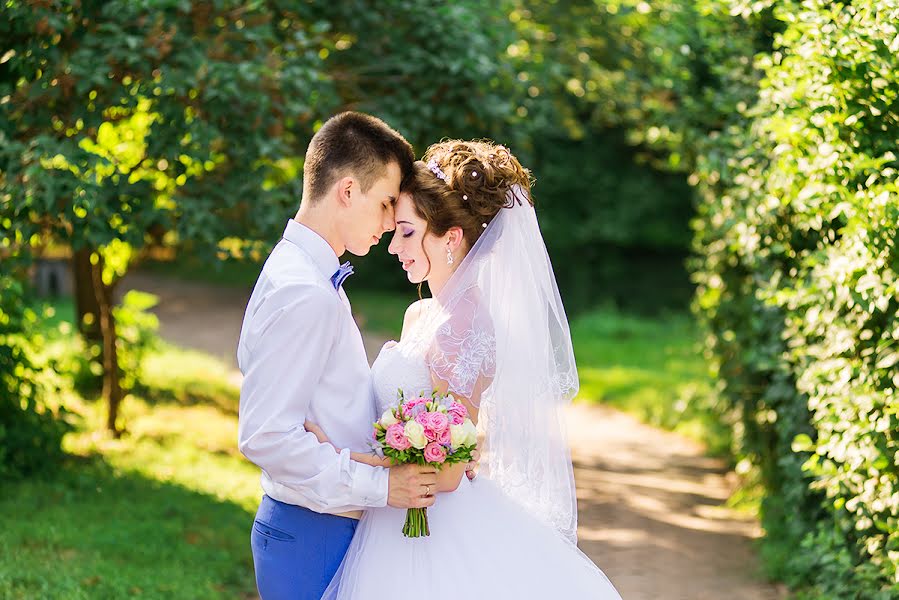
column 482, row 546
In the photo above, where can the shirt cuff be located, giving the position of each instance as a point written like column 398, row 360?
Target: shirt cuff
column 369, row 484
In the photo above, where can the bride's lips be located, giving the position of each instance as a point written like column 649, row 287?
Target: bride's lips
column 407, row 264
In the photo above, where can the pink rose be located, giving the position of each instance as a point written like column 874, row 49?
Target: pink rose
column 396, row 437
column 435, row 421
column 444, row 438
column 457, row 413
column 435, row 453
column 430, row 434
column 439, row 422
column 411, row 404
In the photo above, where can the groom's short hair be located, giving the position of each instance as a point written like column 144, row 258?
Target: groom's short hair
column 356, row 144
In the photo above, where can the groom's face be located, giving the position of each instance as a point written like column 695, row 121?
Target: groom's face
column 371, row 214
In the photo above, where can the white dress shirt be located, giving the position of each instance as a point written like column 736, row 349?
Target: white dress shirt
column 302, row 357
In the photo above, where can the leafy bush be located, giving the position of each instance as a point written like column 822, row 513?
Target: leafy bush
column 798, row 284
column 136, row 329
column 31, row 430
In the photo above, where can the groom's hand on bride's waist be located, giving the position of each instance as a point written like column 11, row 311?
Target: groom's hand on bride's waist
column 411, row 486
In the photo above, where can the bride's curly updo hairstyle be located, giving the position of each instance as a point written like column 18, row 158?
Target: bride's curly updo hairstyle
column 465, row 184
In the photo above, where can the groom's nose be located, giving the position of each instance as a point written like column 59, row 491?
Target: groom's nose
column 389, row 223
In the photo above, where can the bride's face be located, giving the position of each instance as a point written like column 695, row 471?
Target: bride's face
column 422, row 254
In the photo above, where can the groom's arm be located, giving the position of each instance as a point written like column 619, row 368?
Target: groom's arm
column 289, row 343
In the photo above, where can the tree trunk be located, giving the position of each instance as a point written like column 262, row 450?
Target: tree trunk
column 87, row 308
column 112, row 389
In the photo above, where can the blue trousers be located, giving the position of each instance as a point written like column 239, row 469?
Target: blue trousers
column 296, row 551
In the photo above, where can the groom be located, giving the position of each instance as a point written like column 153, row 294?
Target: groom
column 302, row 358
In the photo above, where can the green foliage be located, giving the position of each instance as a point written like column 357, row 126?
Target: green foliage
column 133, row 124
column 163, row 118
column 432, row 70
column 137, row 331
column 31, row 426
column 125, row 122
column 79, row 359
column 797, row 282
column 671, row 74
column 668, row 78
column 617, row 231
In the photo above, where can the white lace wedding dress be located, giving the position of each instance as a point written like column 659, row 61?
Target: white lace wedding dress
column 483, row 545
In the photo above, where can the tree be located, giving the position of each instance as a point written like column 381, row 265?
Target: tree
column 127, row 124
column 432, row 70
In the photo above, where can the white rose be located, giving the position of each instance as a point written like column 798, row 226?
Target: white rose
column 416, row 434
column 458, row 436
column 471, row 431
column 387, row 419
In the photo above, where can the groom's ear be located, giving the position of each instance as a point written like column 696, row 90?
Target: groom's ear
column 344, row 191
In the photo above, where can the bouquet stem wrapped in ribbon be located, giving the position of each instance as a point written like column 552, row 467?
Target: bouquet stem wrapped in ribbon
column 433, row 431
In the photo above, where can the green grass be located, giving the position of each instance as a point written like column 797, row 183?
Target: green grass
column 650, row 367
column 163, row 512
column 54, row 312
column 173, row 375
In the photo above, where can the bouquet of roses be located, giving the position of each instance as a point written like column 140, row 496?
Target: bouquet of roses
column 433, row 431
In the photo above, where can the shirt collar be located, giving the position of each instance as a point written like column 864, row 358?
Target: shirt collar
column 314, row 245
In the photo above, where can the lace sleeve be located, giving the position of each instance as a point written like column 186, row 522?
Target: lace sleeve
column 463, row 354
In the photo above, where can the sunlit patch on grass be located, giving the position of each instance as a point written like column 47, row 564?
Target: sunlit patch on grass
column 650, row 367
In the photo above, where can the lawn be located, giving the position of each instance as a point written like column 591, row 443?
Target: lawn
column 163, row 512
column 651, row 367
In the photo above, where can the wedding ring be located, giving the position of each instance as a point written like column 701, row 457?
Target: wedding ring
column 427, row 490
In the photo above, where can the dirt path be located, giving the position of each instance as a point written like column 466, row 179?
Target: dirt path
column 650, row 502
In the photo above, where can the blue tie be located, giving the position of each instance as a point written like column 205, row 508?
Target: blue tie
column 345, row 270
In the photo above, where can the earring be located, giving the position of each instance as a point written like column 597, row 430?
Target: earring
column 449, row 256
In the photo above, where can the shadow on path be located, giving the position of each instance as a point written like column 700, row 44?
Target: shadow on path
column 652, row 516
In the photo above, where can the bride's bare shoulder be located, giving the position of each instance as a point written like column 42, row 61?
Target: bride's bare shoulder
column 415, row 310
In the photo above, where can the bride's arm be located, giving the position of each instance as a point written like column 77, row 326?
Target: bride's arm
column 449, row 478
column 361, row 457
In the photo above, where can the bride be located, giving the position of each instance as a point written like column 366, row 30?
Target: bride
column 495, row 336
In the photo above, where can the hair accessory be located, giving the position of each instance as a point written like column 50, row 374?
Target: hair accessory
column 465, row 196
column 474, row 174
column 484, row 225
column 436, row 170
